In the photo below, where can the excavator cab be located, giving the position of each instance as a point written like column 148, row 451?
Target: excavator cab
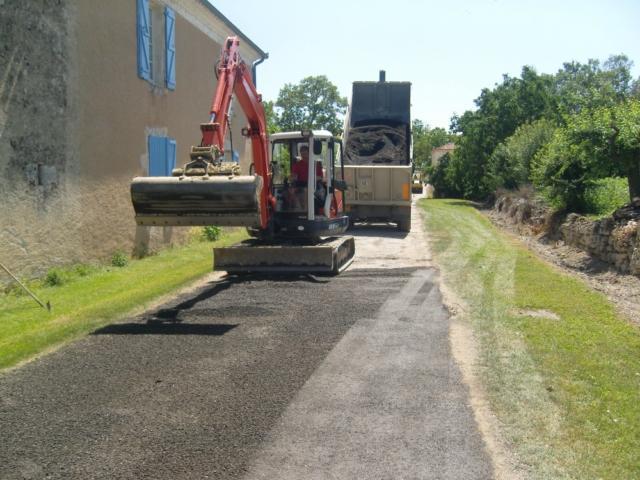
column 308, row 184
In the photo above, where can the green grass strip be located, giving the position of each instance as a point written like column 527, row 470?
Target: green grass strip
column 98, row 297
column 561, row 368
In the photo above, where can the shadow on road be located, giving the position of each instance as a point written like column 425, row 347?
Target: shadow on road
column 278, row 277
column 156, row 327
column 168, row 321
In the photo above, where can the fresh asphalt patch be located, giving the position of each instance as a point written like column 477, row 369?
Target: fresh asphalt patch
column 298, row 376
column 388, row 402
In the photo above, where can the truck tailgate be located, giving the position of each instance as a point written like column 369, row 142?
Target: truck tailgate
column 378, row 185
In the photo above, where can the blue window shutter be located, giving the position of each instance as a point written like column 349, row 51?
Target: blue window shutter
column 157, row 156
column 144, row 39
column 170, row 47
column 171, row 155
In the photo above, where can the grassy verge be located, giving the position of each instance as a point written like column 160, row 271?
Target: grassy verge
column 94, row 296
column 561, row 368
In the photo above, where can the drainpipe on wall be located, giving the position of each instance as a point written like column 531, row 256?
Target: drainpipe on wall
column 254, row 66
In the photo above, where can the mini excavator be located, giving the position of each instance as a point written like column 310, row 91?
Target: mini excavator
column 296, row 222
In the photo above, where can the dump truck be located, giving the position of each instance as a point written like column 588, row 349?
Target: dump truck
column 377, row 153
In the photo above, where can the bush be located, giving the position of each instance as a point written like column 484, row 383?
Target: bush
column 56, row 277
column 561, row 172
column 594, row 144
column 443, row 177
column 509, row 165
column 82, row 269
column 606, row 195
column 211, row 233
column 119, row 259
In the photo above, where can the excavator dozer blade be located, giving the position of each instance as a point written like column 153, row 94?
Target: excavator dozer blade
column 330, row 256
column 197, row 200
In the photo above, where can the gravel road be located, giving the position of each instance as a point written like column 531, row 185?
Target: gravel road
column 349, row 377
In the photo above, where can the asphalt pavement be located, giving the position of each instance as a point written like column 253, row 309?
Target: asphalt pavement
column 258, row 377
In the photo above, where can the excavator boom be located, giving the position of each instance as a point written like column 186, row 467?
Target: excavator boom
column 202, row 193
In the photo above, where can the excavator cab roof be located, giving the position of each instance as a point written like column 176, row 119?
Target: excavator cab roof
column 300, row 134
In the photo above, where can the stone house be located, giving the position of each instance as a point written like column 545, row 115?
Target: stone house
column 91, row 95
column 439, row 152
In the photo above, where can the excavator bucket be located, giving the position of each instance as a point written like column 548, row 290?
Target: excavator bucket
column 197, row 200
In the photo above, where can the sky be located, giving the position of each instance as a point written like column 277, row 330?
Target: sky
column 448, row 50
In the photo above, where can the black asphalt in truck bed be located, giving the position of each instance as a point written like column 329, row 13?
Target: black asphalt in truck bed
column 189, row 391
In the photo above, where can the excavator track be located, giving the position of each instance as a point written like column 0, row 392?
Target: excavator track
column 330, row 256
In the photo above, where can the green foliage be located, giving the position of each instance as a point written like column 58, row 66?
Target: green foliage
column 500, row 111
column 425, row 139
column 56, row 277
column 604, row 196
column 314, row 103
column 119, row 259
column 635, row 89
column 560, row 171
column 14, row 289
column 594, row 144
column 211, row 233
column 82, row 269
column 509, row 164
column 63, row 275
column 442, row 177
column 271, row 117
column 588, row 86
column 595, row 106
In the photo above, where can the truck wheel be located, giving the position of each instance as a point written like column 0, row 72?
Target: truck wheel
column 404, row 225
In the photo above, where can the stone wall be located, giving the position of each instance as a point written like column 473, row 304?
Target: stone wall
column 615, row 239
column 617, row 243
column 36, row 165
column 75, row 119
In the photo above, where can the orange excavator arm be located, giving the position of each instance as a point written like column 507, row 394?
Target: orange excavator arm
column 201, row 193
column 234, row 77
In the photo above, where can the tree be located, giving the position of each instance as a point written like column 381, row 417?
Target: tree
column 635, row 89
column 594, row 144
column 314, row 103
column 271, row 117
column 425, row 139
column 509, row 164
column 589, row 86
column 611, row 137
column 444, row 176
column 500, row 111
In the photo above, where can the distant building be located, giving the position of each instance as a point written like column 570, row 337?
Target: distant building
column 439, row 152
column 91, row 95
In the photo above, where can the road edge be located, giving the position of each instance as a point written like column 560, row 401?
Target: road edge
column 464, row 348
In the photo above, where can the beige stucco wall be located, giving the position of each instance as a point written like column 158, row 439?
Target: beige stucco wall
column 439, row 152
column 100, row 139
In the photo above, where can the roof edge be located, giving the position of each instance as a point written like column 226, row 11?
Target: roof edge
column 230, row 24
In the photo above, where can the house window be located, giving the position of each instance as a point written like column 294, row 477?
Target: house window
column 162, row 156
column 156, row 47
